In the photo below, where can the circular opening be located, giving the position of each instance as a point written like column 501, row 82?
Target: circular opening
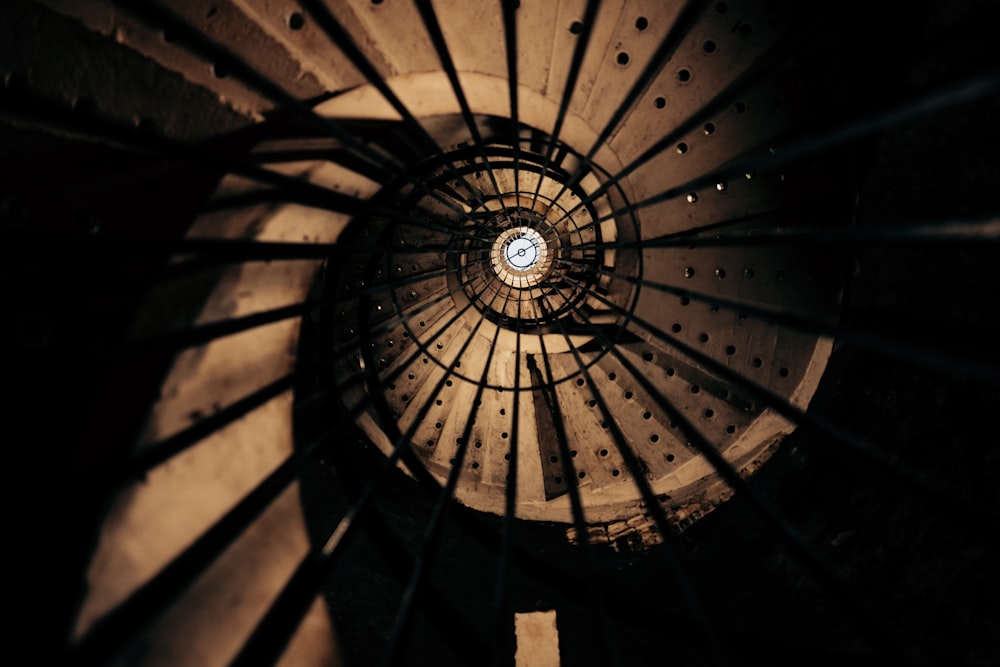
column 708, row 46
column 682, row 148
column 576, row 27
column 709, row 128
column 739, row 107
column 296, row 21
column 641, row 23
column 660, row 102
column 684, row 75
column 524, row 251
column 622, row 58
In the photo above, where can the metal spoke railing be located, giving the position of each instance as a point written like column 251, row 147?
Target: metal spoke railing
column 531, row 286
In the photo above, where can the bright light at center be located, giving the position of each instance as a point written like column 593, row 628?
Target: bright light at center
column 521, row 253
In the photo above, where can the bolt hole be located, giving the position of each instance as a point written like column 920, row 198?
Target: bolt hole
column 703, row 337
column 612, row 376
column 708, row 46
column 695, row 389
column 684, row 75
column 654, row 438
column 730, row 429
column 757, row 362
column 740, row 107
column 647, row 415
column 616, row 472
column 296, row 21
column 603, row 452
column 647, row 356
column 676, row 327
column 682, row 148
column 783, row 372
column 641, row 23
column 730, row 350
column 576, row 27
column 670, row 371
column 670, row 458
column 629, row 395
column 581, row 474
column 709, row 128
column 709, row 413
column 622, row 58
column 660, row 102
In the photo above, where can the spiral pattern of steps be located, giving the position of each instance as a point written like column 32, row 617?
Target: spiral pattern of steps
column 403, row 287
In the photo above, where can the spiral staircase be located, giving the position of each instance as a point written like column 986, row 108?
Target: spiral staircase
column 362, row 332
